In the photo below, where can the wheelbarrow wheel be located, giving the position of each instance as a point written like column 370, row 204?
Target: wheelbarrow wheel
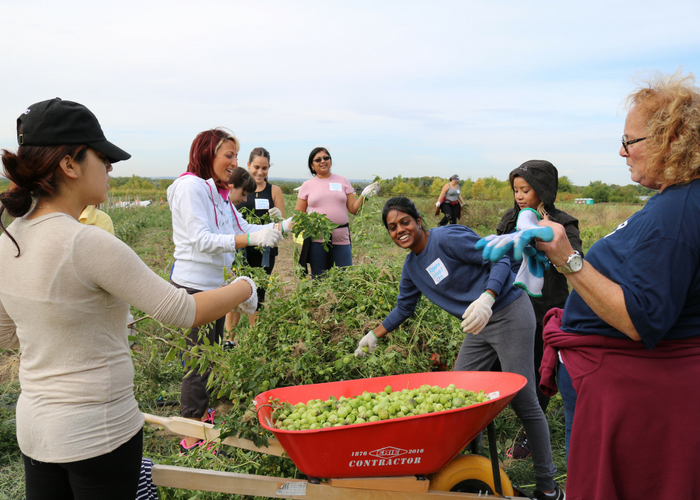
column 469, row 474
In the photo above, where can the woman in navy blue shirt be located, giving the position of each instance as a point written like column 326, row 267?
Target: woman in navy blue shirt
column 629, row 335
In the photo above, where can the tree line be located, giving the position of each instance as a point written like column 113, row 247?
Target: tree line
column 483, row 188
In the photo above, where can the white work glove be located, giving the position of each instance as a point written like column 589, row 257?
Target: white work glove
column 286, row 225
column 478, row 314
column 266, row 237
column 370, row 190
column 275, row 213
column 369, row 341
column 437, row 203
column 251, row 303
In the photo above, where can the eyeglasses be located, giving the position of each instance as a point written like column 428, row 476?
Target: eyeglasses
column 626, row 143
column 323, row 158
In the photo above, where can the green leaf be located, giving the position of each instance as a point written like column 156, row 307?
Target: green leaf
column 171, row 355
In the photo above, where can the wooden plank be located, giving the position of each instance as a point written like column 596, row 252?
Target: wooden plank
column 397, row 483
column 200, row 430
column 275, row 487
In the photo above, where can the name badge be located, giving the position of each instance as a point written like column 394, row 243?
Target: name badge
column 335, row 186
column 262, row 204
column 437, row 271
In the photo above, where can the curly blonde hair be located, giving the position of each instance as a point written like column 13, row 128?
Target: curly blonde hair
column 671, row 106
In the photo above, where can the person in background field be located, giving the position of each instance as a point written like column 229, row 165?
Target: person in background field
column 450, row 202
column 628, row 339
column 334, row 196
column 65, row 290
column 206, row 234
column 444, row 265
column 534, row 185
column 267, row 198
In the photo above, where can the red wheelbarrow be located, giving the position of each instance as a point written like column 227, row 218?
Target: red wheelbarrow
column 386, row 459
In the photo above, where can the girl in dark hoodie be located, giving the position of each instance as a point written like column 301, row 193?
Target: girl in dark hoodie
column 534, row 185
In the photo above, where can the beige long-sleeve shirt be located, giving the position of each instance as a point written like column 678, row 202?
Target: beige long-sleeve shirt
column 64, row 303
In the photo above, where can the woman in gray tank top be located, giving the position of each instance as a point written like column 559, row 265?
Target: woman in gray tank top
column 450, row 202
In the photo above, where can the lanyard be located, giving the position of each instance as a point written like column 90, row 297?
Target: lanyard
column 216, row 219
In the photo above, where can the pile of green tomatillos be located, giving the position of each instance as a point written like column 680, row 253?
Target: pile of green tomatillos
column 371, row 407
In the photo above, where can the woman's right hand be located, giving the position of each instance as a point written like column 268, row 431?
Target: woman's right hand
column 369, row 341
column 266, row 237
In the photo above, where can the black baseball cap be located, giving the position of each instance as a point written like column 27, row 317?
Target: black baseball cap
column 57, row 122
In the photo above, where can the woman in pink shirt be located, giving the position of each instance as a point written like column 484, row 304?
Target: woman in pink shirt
column 334, row 196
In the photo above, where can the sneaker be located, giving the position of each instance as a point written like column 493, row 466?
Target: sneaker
column 184, row 449
column 557, row 494
column 210, row 416
column 519, row 450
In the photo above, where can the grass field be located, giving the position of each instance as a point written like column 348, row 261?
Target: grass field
column 306, row 331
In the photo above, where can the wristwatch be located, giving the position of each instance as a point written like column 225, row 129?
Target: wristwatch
column 573, row 264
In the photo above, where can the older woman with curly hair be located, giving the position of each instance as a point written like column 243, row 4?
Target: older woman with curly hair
column 627, row 344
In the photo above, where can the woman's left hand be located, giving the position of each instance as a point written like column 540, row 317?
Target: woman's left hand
column 478, row 314
column 249, row 305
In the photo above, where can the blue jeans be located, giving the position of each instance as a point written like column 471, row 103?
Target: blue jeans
column 339, row 255
column 568, row 396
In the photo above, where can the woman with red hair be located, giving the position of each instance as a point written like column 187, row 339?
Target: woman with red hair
column 206, row 236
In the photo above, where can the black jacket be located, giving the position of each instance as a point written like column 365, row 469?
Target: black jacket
column 543, row 177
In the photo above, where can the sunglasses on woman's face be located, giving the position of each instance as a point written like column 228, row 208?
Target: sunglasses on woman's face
column 323, row 158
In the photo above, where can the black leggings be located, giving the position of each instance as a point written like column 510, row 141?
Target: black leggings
column 450, row 212
column 114, row 476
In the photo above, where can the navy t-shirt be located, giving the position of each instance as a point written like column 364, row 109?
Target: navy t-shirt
column 655, row 257
column 452, row 274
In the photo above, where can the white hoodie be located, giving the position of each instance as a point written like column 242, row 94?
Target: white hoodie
column 204, row 230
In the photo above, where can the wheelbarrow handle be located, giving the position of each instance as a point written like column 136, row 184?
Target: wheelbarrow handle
column 193, row 428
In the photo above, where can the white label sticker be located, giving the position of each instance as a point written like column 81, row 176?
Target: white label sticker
column 437, row 271
column 296, row 489
column 335, row 186
column 262, row 204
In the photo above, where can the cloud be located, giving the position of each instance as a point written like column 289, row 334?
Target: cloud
column 394, row 88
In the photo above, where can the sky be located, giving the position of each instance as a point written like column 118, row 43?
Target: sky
column 411, row 88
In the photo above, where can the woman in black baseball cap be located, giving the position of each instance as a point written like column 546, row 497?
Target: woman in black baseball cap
column 65, row 290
